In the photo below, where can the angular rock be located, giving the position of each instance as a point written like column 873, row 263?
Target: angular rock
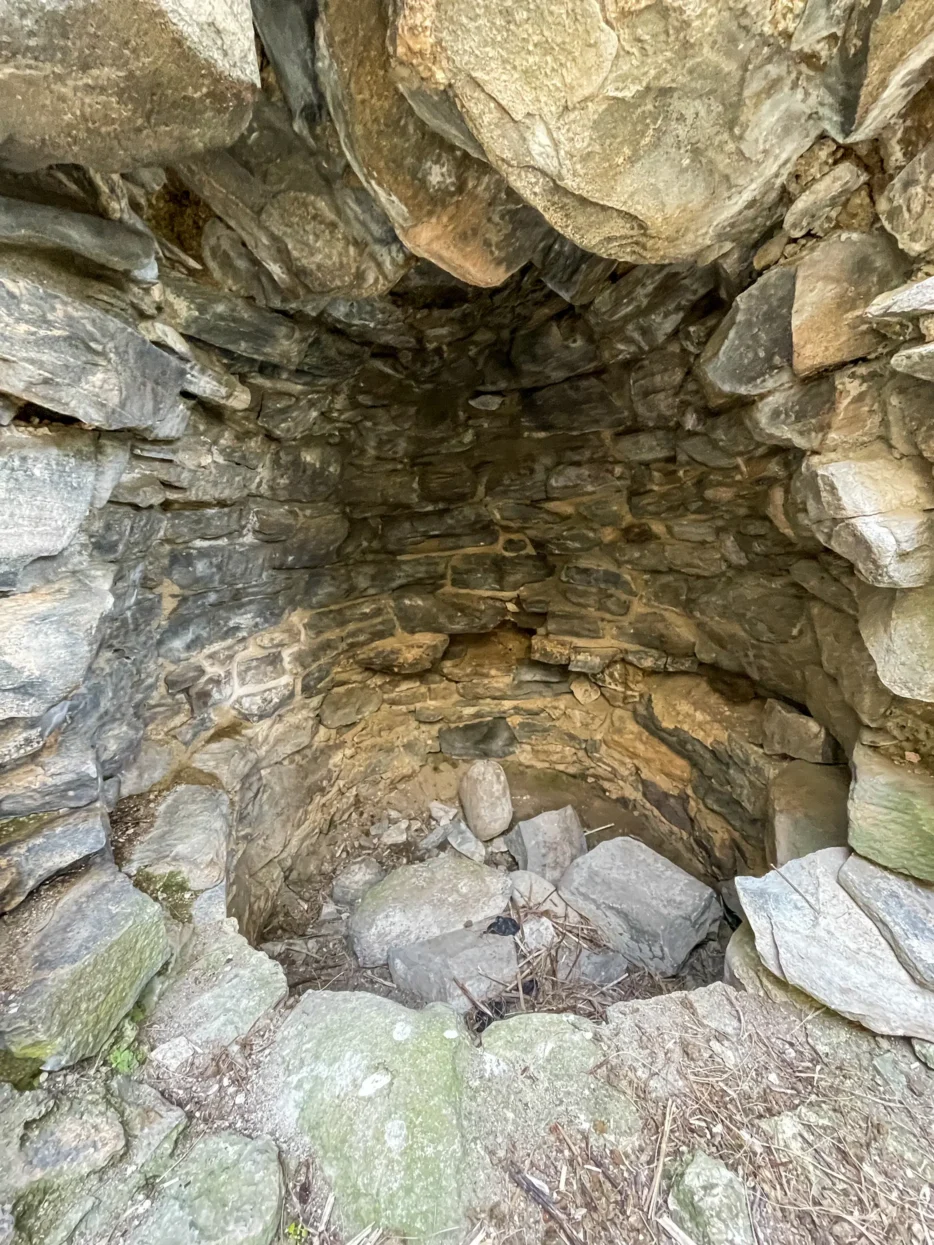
column 167, row 81
column 835, row 283
column 807, row 809
column 751, row 351
column 906, row 206
column 546, row 844
column 37, row 847
column 47, row 640
column 75, row 959
column 227, row 1189
column 915, row 361
column 786, row 732
column 531, row 892
column 897, row 626
column 347, row 705
column 818, row 207
column 710, row 1203
column 891, row 811
column 106, row 243
column 485, row 799
column 485, row 965
column 417, row 902
column 797, row 415
column 404, row 654
column 445, row 205
column 594, row 967
column 217, row 990
column 353, row 881
column 898, row 57
column 890, row 550
column 869, row 481
column 71, row 357
column 589, row 116
column 188, row 836
column 645, row 906
column 905, row 303
column 464, row 841
column 810, row 933
column 47, row 479
column 902, row 910
column 490, row 737
column 375, row 1090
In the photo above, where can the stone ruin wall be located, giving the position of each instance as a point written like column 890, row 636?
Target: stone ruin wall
column 290, row 511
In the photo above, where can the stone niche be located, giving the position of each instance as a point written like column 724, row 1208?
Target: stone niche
column 330, row 462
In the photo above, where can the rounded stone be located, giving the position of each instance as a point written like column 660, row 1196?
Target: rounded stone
column 485, row 799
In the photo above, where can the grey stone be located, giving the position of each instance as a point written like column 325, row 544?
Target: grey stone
column 354, row 880
column 906, row 302
column 417, row 902
column 65, row 773
column 786, row 732
column 226, row 1190
column 816, row 209
column 73, row 358
column 645, row 906
column 107, row 243
column 810, row 933
column 807, row 809
column 915, row 361
column 890, row 550
column 192, row 88
column 75, row 960
column 37, row 847
column 797, row 415
column 751, row 351
column 548, row 843
column 901, row 909
column 347, row 705
column 434, row 970
column 711, row 1203
column 606, row 170
column 485, row 799
column 593, row 966
column 869, row 481
column 47, row 479
column 216, row 991
column 891, row 813
column 464, row 841
column 152, row 763
column 188, row 836
column 490, row 737
column 530, row 891
column 906, row 205
column 897, row 626
column 835, row 283
column 404, row 654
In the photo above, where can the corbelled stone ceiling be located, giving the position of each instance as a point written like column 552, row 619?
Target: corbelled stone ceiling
column 395, row 385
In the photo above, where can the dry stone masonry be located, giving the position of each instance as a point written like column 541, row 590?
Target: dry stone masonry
column 466, row 557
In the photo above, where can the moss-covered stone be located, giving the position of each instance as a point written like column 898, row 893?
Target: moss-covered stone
column 891, row 813
column 709, row 1202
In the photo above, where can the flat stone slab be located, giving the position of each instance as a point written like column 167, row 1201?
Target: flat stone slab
column 217, row 991
column 645, row 906
column 189, row 836
column 901, row 909
column 37, row 847
column 419, row 901
column 227, row 1190
column 891, row 811
column 811, row 933
column 74, row 959
column 547, row 844
column 483, row 964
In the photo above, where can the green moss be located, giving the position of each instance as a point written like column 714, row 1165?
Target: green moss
column 170, row 890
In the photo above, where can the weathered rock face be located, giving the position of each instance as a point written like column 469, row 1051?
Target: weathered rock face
column 88, row 84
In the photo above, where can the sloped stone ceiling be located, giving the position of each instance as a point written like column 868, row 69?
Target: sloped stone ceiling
column 556, row 388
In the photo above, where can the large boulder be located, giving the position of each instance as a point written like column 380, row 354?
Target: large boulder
column 420, row 901
column 811, row 933
column 461, row 968
column 445, row 204
column 374, row 1089
column 119, row 84
column 75, row 958
column 636, row 131
column 891, row 813
column 645, row 906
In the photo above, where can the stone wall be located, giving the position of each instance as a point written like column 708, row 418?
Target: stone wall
column 290, row 510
